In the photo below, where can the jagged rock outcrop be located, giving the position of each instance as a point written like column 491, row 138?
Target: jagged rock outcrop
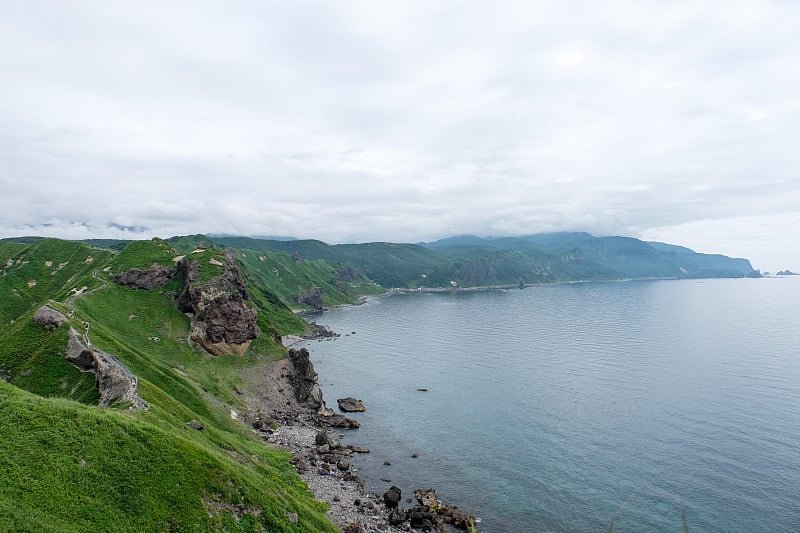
column 304, row 380
column 312, row 297
column 223, row 317
column 49, row 317
column 140, row 279
column 114, row 381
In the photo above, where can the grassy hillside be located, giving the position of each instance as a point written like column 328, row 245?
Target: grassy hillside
column 471, row 261
column 67, row 465
column 387, row 264
column 482, row 266
column 32, row 358
column 48, row 268
column 143, row 254
column 287, row 276
column 580, row 256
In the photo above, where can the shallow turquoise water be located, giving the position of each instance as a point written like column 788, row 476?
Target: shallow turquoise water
column 567, row 407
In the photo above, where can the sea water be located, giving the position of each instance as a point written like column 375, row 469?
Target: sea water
column 638, row 406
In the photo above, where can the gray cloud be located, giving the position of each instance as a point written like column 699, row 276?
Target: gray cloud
column 358, row 121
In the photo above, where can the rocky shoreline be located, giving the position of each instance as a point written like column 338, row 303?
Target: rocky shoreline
column 288, row 411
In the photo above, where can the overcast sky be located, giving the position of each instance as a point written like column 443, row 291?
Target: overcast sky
column 404, row 121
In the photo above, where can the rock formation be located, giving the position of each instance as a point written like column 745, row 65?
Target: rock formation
column 137, row 278
column 312, row 297
column 351, row 405
column 304, row 380
column 114, row 381
column 431, row 513
column 223, row 317
column 49, row 317
column 392, row 497
column 308, row 393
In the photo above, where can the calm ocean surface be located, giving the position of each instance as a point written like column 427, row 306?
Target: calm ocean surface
column 569, row 407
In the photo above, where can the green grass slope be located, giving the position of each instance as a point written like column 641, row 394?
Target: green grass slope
column 69, row 466
column 32, row 358
column 287, row 276
column 144, row 254
column 387, row 264
column 48, row 268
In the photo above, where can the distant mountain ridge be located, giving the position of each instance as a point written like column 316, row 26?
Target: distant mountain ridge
column 615, row 256
column 471, row 261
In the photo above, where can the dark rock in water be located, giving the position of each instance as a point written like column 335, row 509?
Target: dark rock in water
column 432, row 509
column 139, row 279
column 312, row 297
column 392, row 497
column 320, row 332
column 460, row 518
column 49, row 317
column 194, row 424
column 356, row 449
column 426, row 498
column 338, row 421
column 351, row 405
column 223, row 316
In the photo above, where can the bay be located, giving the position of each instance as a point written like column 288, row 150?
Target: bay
column 645, row 405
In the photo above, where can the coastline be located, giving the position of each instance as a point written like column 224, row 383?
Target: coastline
column 276, row 415
column 287, row 417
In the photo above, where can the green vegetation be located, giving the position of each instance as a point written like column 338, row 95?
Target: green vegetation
column 32, row 358
column 48, row 268
column 387, row 264
column 144, row 254
column 67, row 465
column 287, row 276
column 210, row 262
column 475, row 262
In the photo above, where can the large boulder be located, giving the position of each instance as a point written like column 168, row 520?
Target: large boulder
column 392, row 497
column 49, row 317
column 351, row 405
